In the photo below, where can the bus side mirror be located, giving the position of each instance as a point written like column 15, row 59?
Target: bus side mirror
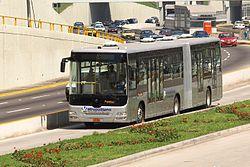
column 63, row 63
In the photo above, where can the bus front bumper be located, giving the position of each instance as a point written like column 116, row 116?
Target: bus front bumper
column 105, row 114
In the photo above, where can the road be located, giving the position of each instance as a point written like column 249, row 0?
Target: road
column 235, row 58
column 38, row 139
column 36, row 103
column 233, row 150
column 51, row 100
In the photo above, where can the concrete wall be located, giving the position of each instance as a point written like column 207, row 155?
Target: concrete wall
column 29, row 56
column 130, row 10
column 82, row 12
column 42, row 8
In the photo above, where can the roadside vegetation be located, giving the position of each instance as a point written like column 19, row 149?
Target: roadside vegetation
column 98, row 148
column 154, row 5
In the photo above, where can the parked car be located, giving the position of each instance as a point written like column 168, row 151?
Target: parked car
column 165, row 32
column 132, row 21
column 128, row 34
column 239, row 25
column 227, row 39
column 112, row 29
column 200, row 34
column 78, row 28
column 99, row 27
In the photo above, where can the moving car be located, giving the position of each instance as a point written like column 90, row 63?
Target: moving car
column 99, row 27
column 128, row 34
column 78, row 28
column 200, row 34
column 165, row 31
column 227, row 39
column 239, row 25
column 132, row 21
column 246, row 23
column 146, row 34
column 112, row 29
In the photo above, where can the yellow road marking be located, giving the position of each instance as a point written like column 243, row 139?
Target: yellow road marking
column 33, row 89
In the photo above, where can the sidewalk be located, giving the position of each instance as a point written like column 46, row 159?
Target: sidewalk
column 232, row 150
column 224, row 148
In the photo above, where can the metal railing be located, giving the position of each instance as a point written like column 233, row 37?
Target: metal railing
column 39, row 24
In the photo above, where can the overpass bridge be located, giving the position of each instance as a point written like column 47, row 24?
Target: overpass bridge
column 235, row 6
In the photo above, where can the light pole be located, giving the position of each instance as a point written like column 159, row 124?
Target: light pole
column 28, row 11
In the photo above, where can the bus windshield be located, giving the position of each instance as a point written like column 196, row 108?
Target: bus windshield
column 102, row 77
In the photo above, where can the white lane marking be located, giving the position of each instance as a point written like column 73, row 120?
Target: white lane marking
column 18, row 110
column 38, row 97
column 4, row 103
column 60, row 102
column 44, row 105
column 58, row 93
column 19, row 99
column 228, row 55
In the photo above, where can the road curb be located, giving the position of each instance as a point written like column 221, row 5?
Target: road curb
column 172, row 147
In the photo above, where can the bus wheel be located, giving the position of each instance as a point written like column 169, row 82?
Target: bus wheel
column 140, row 114
column 208, row 98
column 176, row 107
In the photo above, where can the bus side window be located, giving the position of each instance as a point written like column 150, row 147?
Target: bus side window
column 142, row 73
column 194, row 65
column 176, row 65
column 207, row 62
column 132, row 77
column 167, row 69
column 218, row 57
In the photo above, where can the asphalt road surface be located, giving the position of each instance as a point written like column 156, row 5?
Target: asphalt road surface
column 38, row 139
column 36, row 103
column 52, row 100
column 235, row 58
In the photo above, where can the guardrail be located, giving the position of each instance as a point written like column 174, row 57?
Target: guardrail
column 39, row 24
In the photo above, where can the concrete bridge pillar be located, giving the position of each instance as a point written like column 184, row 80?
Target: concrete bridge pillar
column 235, row 10
column 100, row 11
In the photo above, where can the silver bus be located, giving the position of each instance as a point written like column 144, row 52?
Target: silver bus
column 137, row 81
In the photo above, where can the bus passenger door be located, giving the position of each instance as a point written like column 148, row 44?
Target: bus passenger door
column 155, row 86
column 214, row 69
column 199, row 100
column 200, row 79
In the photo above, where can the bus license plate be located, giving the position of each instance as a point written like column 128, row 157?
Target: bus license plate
column 96, row 119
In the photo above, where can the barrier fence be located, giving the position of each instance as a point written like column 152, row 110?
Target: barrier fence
column 39, row 24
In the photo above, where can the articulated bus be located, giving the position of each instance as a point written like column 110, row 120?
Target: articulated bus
column 138, row 81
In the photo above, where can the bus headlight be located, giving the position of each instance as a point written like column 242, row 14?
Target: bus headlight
column 121, row 115
column 73, row 115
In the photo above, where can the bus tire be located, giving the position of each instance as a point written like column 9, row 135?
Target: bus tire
column 176, row 106
column 208, row 98
column 140, row 114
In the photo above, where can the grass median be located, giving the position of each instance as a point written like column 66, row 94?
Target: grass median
column 98, row 148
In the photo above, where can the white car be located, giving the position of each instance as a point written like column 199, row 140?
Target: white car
column 147, row 39
column 239, row 25
column 186, row 36
column 166, row 38
column 99, row 27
